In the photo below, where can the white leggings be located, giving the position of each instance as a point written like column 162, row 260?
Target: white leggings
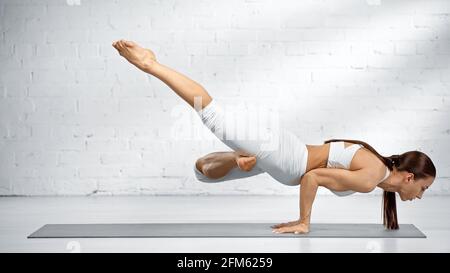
column 284, row 157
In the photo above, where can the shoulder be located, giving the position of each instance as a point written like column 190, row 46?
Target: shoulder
column 365, row 159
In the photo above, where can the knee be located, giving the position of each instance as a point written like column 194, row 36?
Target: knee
column 208, row 172
column 199, row 164
column 202, row 167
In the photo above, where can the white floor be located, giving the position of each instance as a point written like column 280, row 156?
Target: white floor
column 20, row 216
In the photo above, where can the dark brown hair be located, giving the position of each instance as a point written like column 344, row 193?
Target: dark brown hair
column 414, row 162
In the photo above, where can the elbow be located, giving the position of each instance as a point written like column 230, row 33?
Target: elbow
column 368, row 187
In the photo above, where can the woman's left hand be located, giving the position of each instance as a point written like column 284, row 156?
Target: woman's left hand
column 300, row 228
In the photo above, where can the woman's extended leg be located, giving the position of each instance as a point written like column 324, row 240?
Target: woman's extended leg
column 186, row 88
column 145, row 60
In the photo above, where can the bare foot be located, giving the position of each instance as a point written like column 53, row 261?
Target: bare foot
column 142, row 58
column 246, row 163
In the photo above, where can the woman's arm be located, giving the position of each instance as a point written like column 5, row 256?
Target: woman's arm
column 362, row 180
column 334, row 179
column 308, row 190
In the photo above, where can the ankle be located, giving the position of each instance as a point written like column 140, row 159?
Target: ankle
column 151, row 67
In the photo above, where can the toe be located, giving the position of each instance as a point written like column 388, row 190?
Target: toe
column 129, row 43
column 251, row 160
column 120, row 45
column 122, row 42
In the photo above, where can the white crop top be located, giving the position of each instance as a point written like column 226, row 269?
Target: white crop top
column 341, row 157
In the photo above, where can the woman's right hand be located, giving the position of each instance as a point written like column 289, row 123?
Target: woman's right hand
column 288, row 224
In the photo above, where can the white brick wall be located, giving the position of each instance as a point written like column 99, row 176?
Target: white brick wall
column 75, row 118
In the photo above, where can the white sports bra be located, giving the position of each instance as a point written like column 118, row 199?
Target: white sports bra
column 341, row 157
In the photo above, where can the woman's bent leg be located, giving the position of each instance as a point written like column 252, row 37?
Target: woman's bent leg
column 282, row 155
column 221, row 166
column 216, row 165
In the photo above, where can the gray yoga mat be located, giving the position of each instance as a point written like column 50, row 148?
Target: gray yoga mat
column 228, row 230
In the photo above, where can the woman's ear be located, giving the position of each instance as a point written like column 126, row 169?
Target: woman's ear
column 410, row 177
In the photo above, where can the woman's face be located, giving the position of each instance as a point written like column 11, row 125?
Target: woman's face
column 410, row 188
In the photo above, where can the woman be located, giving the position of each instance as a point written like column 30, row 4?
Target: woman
column 340, row 165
